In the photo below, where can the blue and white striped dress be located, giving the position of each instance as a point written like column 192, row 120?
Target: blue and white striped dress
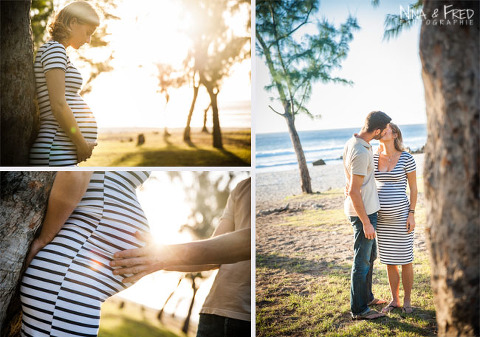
column 395, row 245
column 67, row 281
column 52, row 146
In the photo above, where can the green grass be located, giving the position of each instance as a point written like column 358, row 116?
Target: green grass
column 120, row 149
column 131, row 322
column 324, row 309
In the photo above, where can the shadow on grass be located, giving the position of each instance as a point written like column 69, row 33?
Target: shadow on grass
column 176, row 156
column 127, row 327
column 302, row 266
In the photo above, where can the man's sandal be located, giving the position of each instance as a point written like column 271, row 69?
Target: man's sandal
column 377, row 301
column 371, row 314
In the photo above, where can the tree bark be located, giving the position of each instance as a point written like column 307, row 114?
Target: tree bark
column 450, row 71
column 24, row 198
column 186, row 132
column 19, row 121
column 217, row 132
column 297, row 146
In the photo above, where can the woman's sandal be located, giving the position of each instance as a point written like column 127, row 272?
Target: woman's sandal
column 389, row 308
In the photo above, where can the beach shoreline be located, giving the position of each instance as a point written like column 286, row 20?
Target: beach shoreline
column 273, row 187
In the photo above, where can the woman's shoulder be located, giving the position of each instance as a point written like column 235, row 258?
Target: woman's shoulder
column 407, row 155
column 51, row 45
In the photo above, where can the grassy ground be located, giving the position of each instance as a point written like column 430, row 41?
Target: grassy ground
column 304, row 258
column 120, row 149
column 132, row 321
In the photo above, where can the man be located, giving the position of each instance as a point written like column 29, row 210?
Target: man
column 361, row 206
column 226, row 311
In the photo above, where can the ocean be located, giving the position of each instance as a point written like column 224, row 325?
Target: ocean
column 274, row 151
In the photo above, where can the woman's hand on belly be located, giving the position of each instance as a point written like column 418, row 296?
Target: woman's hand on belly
column 84, row 151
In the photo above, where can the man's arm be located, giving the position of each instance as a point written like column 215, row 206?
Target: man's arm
column 222, row 249
column 226, row 225
column 354, row 193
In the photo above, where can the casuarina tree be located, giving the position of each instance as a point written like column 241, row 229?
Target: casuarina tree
column 299, row 50
column 450, row 54
column 451, row 72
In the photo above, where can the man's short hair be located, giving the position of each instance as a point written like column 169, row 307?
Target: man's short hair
column 376, row 120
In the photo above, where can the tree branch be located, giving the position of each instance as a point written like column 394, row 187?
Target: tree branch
column 278, row 113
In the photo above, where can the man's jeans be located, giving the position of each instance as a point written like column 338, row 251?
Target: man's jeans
column 365, row 252
column 218, row 326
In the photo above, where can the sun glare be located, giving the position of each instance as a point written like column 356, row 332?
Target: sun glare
column 147, row 33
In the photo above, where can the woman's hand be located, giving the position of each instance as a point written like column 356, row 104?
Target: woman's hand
column 84, row 151
column 410, row 222
column 36, row 246
column 380, row 149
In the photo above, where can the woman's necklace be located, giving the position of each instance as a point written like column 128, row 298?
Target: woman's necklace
column 390, row 158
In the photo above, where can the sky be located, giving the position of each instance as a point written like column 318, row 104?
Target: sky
column 386, row 75
column 147, row 33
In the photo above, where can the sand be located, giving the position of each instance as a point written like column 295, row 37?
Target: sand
column 273, row 187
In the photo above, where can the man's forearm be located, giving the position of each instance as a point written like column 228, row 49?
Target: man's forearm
column 223, row 249
column 358, row 206
column 193, row 269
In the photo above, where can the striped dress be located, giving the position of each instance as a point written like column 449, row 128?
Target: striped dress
column 395, row 245
column 52, row 146
column 67, row 281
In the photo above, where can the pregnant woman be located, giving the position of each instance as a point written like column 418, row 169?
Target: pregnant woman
column 89, row 218
column 396, row 219
column 68, row 130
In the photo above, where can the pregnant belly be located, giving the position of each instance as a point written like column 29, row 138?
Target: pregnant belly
column 84, row 117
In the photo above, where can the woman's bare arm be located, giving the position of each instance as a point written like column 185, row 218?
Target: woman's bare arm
column 64, row 115
column 67, row 191
column 412, row 185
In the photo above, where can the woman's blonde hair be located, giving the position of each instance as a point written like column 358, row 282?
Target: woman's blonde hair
column 59, row 29
column 398, row 141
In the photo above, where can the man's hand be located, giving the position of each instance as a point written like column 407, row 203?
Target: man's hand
column 369, row 231
column 139, row 262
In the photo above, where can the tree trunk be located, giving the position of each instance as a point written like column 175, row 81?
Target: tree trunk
column 450, row 71
column 186, row 132
column 204, row 129
column 24, row 198
column 217, row 133
column 187, row 320
column 297, row 146
column 19, row 120
column 160, row 313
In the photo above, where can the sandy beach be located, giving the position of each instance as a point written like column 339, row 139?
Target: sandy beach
column 273, row 187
